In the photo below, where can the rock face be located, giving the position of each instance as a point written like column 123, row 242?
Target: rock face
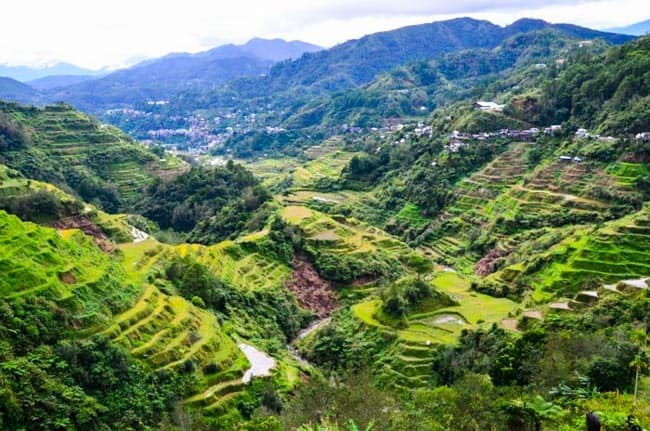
column 87, row 227
column 313, row 292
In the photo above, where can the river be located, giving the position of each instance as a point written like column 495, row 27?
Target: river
column 314, row 326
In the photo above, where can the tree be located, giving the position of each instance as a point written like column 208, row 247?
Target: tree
column 639, row 337
column 420, row 264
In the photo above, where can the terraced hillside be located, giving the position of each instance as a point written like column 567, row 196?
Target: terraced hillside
column 65, row 267
column 342, row 235
column 617, row 251
column 229, row 261
column 319, row 164
column 169, row 333
column 514, row 203
column 407, row 362
column 49, row 205
column 467, row 213
column 166, row 331
column 68, row 148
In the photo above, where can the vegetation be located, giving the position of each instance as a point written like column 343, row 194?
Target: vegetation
column 389, row 279
column 209, row 204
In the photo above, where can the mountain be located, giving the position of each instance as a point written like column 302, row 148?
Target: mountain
column 356, row 62
column 51, row 82
column 195, row 78
column 637, row 29
column 26, row 73
column 422, row 86
column 10, row 89
column 278, row 49
column 172, row 74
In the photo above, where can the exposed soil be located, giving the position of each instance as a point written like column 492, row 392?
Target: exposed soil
column 510, row 324
column 168, row 174
column 636, row 158
column 68, row 278
column 534, row 314
column 313, row 292
column 488, row 263
column 87, row 227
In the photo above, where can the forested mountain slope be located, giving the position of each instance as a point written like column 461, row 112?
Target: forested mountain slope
column 358, row 61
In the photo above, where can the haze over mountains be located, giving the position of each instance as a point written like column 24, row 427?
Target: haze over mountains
column 156, row 78
column 637, row 29
column 26, row 73
column 321, row 71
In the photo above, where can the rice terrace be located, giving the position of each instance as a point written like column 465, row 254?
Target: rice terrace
column 422, row 221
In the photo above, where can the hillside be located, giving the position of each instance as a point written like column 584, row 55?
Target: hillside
column 11, row 89
column 356, row 62
column 51, row 82
column 97, row 299
column 636, row 29
column 166, row 77
column 278, row 49
column 405, row 72
column 416, row 89
column 26, row 73
column 60, row 145
column 368, row 265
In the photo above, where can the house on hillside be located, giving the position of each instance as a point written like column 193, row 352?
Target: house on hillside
column 552, row 129
column 454, row 146
column 582, row 133
column 488, row 106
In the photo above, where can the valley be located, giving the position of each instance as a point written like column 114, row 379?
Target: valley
column 440, row 227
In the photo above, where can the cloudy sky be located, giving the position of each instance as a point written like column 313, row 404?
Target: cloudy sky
column 100, row 33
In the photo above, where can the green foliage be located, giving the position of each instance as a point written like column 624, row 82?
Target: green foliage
column 210, row 204
column 404, row 295
column 13, row 135
column 351, row 400
column 39, row 206
column 607, row 92
column 58, row 144
column 193, row 279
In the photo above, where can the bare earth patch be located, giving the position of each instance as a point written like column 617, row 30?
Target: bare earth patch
column 510, row 324
column 68, row 278
column 487, row 265
column 327, row 235
column 88, row 228
column 313, row 292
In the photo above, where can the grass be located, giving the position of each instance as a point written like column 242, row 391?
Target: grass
column 477, row 309
column 408, row 361
column 39, row 261
column 345, row 235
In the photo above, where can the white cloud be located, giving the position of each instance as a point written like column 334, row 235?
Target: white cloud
column 95, row 33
